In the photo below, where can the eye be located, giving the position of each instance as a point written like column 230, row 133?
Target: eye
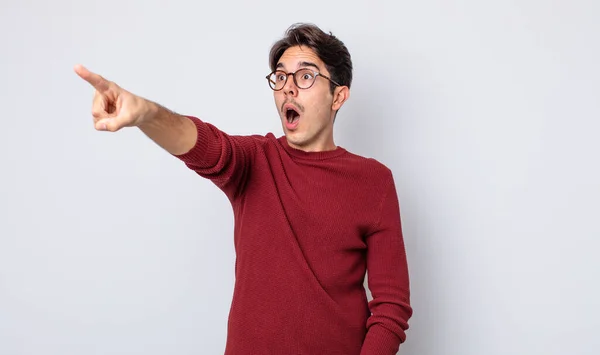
column 280, row 77
column 307, row 76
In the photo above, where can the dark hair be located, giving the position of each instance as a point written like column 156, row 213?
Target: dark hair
column 329, row 48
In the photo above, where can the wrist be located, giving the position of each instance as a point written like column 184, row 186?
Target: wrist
column 151, row 115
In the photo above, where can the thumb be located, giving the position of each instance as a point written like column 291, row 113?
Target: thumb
column 112, row 124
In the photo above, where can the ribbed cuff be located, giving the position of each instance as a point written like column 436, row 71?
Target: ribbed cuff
column 380, row 341
column 199, row 152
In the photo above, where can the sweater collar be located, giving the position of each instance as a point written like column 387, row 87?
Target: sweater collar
column 298, row 153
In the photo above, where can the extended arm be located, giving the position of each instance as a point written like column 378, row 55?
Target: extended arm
column 213, row 154
column 114, row 108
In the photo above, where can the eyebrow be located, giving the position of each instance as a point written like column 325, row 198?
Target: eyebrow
column 301, row 64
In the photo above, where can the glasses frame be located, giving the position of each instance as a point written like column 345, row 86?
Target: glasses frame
column 293, row 74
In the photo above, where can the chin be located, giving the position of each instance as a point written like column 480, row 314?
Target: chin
column 295, row 138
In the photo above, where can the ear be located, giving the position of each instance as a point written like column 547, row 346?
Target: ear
column 341, row 94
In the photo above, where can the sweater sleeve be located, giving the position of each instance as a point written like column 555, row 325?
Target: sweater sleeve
column 224, row 159
column 388, row 281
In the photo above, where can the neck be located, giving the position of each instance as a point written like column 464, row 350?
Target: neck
column 314, row 146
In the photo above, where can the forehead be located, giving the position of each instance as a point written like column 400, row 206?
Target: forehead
column 295, row 57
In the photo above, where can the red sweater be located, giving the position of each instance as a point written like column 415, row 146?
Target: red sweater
column 307, row 228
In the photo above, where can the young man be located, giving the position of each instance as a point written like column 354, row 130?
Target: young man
column 311, row 218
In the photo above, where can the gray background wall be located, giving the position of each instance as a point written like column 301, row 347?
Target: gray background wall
column 486, row 111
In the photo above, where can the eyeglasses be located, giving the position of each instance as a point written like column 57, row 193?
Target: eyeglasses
column 303, row 78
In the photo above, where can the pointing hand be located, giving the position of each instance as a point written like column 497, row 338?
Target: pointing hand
column 114, row 107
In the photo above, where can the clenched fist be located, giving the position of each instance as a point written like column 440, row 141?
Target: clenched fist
column 114, row 107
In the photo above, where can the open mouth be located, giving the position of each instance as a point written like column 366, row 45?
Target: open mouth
column 291, row 115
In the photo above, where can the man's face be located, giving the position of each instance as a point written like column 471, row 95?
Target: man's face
column 306, row 114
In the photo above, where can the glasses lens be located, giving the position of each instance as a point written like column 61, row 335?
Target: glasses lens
column 277, row 80
column 305, row 78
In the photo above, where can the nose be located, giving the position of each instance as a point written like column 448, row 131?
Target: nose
column 290, row 87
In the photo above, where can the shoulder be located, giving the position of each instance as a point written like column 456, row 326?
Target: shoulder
column 370, row 165
column 368, row 173
column 256, row 141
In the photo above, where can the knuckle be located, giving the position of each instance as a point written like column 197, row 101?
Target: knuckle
column 96, row 112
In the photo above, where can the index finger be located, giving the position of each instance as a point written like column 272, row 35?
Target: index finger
column 98, row 82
